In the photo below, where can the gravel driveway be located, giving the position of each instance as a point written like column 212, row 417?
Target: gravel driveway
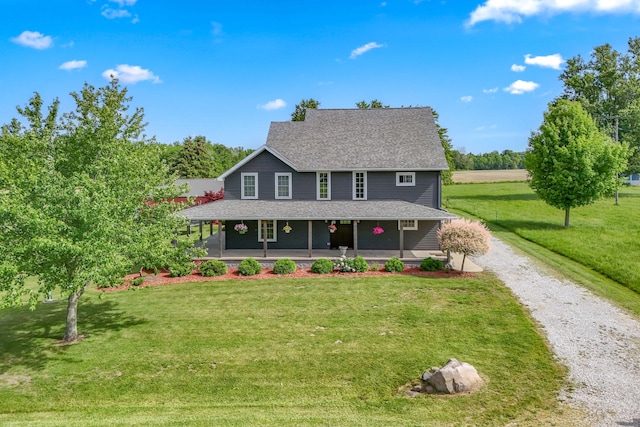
column 599, row 343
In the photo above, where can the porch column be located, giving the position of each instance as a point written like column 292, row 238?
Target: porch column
column 219, row 238
column 210, row 227
column 200, row 228
column 355, row 237
column 264, row 238
column 401, row 239
column 309, row 237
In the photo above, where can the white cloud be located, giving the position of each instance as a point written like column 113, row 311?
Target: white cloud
column 273, row 105
column 518, row 68
column 130, row 74
column 363, row 49
column 33, row 39
column 383, row 4
column 466, row 99
column 492, row 90
column 512, row 11
column 73, row 65
column 520, row 86
column 550, row 61
column 483, row 128
column 114, row 14
column 135, row 19
column 123, row 3
column 216, row 28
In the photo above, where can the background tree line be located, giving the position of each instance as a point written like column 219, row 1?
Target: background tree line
column 507, row 159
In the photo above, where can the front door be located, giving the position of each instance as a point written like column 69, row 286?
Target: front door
column 343, row 236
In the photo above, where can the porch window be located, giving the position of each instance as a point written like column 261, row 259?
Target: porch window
column 249, row 185
column 359, row 186
column 271, row 230
column 408, row 224
column 283, row 185
column 405, row 179
column 323, row 185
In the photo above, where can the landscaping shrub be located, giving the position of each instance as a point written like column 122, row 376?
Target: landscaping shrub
column 284, row 266
column 374, row 267
column 137, row 281
column 394, row 265
column 360, row 264
column 181, row 269
column 322, row 266
column 345, row 265
column 430, row 264
column 249, row 267
column 212, row 267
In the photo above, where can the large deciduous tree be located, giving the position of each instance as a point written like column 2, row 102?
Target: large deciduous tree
column 81, row 199
column 608, row 87
column 571, row 162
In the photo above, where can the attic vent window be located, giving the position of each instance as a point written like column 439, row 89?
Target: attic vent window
column 405, row 179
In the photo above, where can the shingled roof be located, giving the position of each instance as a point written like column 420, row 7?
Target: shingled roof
column 357, row 139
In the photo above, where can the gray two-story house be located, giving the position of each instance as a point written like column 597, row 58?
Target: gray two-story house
column 365, row 179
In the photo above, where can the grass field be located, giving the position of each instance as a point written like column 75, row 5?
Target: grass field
column 322, row 351
column 602, row 236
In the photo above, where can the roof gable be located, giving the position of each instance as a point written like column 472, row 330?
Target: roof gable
column 367, row 139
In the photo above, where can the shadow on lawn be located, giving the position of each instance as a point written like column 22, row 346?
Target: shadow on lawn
column 31, row 338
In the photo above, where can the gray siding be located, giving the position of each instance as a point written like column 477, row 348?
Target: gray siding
column 296, row 239
column 424, row 238
column 382, row 186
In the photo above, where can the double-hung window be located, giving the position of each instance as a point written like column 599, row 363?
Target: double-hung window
column 323, row 180
column 359, row 186
column 283, row 185
column 271, row 230
column 405, row 179
column 249, row 185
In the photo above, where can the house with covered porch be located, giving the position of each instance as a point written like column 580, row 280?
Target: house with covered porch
column 364, row 179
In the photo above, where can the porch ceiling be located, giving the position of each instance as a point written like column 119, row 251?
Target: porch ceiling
column 314, row 210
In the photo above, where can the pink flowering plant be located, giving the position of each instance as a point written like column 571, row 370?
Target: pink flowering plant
column 241, row 228
column 464, row 237
column 378, row 230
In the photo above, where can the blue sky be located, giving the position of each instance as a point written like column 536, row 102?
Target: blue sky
column 226, row 69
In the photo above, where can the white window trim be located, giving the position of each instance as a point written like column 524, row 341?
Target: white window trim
column 318, row 185
column 242, row 176
column 353, row 185
column 405, row 184
column 275, row 231
column 415, row 224
column 277, row 175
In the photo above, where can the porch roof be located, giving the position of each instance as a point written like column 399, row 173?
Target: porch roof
column 314, row 210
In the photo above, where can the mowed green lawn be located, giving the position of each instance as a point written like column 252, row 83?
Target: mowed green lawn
column 280, row 352
column 602, row 236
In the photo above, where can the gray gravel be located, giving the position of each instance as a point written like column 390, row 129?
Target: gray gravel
column 598, row 342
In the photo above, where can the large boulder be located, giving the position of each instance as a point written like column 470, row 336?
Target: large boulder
column 454, row 377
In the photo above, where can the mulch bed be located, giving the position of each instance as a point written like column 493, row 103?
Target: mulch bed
column 163, row 278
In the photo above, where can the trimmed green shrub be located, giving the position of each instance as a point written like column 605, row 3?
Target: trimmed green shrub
column 284, row 266
column 374, row 267
column 249, row 267
column 181, row 269
column 137, row 281
column 394, row 265
column 345, row 265
column 212, row 267
column 430, row 264
column 360, row 264
column 322, row 266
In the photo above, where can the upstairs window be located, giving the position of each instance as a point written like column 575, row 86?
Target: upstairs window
column 283, row 185
column 323, row 185
column 359, row 186
column 405, row 179
column 249, row 185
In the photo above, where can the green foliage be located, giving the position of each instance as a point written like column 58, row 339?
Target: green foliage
column 494, row 160
column 322, row 266
column 360, row 264
column 194, row 160
column 430, row 264
column 368, row 105
column 181, row 269
column 75, row 208
column 212, row 267
column 394, row 265
column 137, row 281
column 301, row 109
column 571, row 162
column 447, row 145
column 345, row 265
column 284, row 266
column 249, row 267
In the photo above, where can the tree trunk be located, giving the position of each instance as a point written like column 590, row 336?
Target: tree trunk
column 71, row 333
column 566, row 217
column 464, row 257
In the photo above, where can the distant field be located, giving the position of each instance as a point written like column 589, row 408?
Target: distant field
column 490, row 176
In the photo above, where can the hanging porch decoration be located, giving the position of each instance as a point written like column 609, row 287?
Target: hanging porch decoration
column 287, row 228
column 377, row 229
column 241, row 228
column 332, row 228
